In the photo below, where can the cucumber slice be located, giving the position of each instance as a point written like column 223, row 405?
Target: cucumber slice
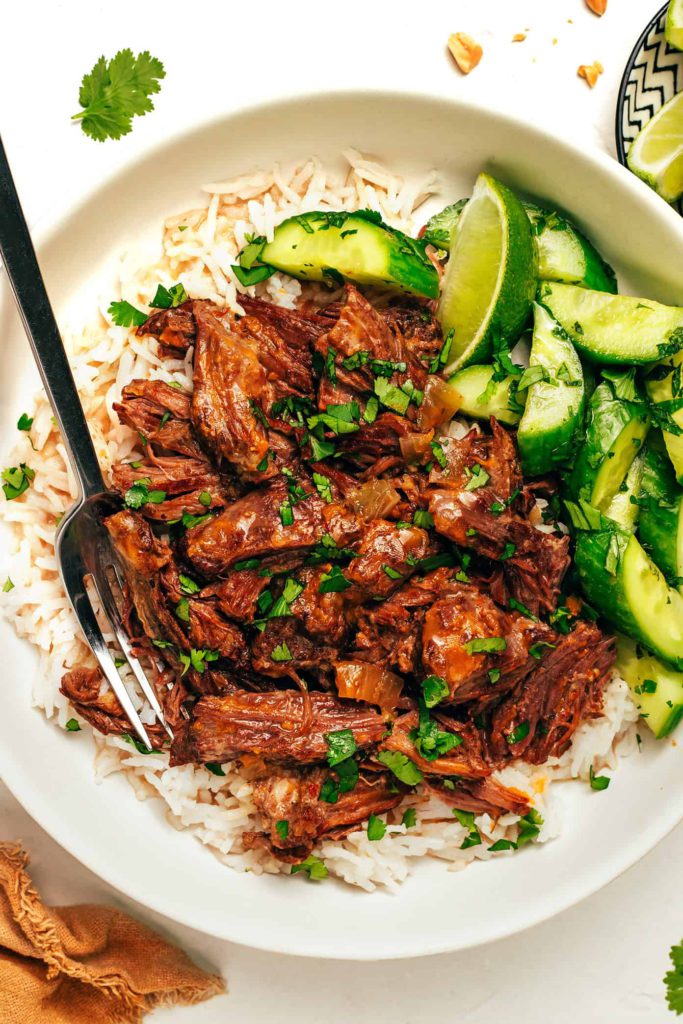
column 625, row 586
column 624, row 508
column 554, row 407
column 614, row 328
column 615, row 433
column 661, row 515
column 320, row 246
column 564, row 253
column 490, row 276
column 657, row 690
column 663, row 391
column 482, row 397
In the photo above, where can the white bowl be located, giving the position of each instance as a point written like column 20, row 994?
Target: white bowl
column 129, row 843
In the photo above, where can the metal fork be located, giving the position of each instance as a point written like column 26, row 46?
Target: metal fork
column 83, row 547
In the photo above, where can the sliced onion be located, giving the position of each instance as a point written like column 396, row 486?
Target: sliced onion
column 375, row 499
column 415, row 447
column 359, row 680
column 440, row 402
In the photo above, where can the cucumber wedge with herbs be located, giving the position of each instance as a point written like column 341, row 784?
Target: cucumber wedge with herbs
column 490, row 277
column 627, row 588
column 624, row 507
column 359, row 247
column 660, row 526
column 483, row 397
column 555, row 399
column 564, row 253
column 664, row 386
column 614, row 328
column 657, row 690
column 615, row 431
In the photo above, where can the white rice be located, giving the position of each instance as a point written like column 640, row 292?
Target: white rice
column 198, row 248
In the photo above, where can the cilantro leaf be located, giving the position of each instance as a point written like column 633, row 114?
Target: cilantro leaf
column 125, row 315
column 115, row 91
column 404, row 769
column 342, row 744
column 377, row 828
column 313, row 866
column 674, row 980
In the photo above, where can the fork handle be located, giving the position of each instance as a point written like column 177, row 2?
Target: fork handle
column 27, row 283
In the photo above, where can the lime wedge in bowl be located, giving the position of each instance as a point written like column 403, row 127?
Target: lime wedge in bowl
column 674, row 24
column 491, row 273
column 656, row 153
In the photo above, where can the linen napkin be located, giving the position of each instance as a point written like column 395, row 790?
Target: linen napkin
column 77, row 965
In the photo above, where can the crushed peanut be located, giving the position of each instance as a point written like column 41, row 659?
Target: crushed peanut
column 591, row 72
column 466, row 52
column 519, row 37
column 597, row 6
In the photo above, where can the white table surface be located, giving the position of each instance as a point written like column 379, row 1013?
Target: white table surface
column 604, row 959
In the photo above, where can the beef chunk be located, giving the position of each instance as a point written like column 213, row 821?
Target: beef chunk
column 237, row 595
column 482, row 796
column 186, row 482
column 455, row 623
column 299, row 329
column 98, row 704
column 386, row 557
column 174, row 329
column 253, row 526
column 229, row 388
column 468, row 760
column 565, row 689
column 418, row 328
column 148, row 564
column 283, row 650
column 274, row 726
column 294, row 797
column 475, row 499
column 288, row 364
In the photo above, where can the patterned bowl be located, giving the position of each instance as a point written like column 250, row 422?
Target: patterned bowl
column 653, row 75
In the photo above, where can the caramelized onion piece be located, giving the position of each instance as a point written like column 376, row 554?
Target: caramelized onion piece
column 375, row 499
column 415, row 447
column 441, row 401
column 359, row 680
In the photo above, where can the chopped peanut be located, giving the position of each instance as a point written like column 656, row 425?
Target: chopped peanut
column 591, row 72
column 466, row 52
column 597, row 6
column 519, row 37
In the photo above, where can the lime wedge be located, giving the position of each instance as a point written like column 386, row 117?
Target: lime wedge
column 656, row 154
column 491, row 273
column 674, row 24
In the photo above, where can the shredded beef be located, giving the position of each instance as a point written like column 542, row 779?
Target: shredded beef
column 261, row 584
column 272, row 726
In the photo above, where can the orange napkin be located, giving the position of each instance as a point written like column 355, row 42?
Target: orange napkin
column 77, row 965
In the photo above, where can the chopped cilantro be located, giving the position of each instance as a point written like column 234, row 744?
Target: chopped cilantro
column 391, row 396
column 341, row 744
column 333, row 582
column 409, row 818
column 7, row 586
column 478, row 477
column 205, row 499
column 439, row 454
column 323, row 487
column 182, row 609
column 405, row 770
column 125, row 315
column 517, row 606
column 442, row 358
column 430, row 741
column 24, row 422
column 529, row 827
column 518, row 734
column 17, row 480
column 72, row 726
column 536, row 650
column 502, row 844
column 371, row 409
column 214, row 768
column 598, row 782
column 423, row 518
column 494, row 675
column 486, row 644
column 282, row 828
column 169, row 298
column 139, row 494
column 508, row 551
column 187, row 585
column 286, row 513
column 253, row 276
column 392, row 573
column 281, row 653
column 434, row 690
column 313, row 866
column 377, row 829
